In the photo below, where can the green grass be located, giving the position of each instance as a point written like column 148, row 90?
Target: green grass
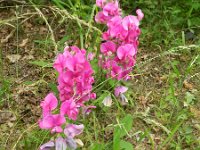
column 163, row 110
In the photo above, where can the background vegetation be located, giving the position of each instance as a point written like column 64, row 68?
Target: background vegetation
column 164, row 94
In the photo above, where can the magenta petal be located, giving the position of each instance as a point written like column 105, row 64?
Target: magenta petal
column 120, row 89
column 50, row 102
column 126, row 50
column 72, row 130
column 59, row 119
column 130, row 22
column 59, row 63
column 47, row 122
column 80, row 58
column 108, row 46
column 70, row 64
column 70, row 109
column 121, row 52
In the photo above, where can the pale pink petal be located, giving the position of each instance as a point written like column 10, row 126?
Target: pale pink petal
column 121, row 52
column 72, row 130
column 75, row 49
column 108, row 46
column 120, row 89
column 126, row 50
column 60, row 144
column 130, row 22
column 90, row 56
column 140, row 14
column 87, row 109
column 100, row 3
column 57, row 129
column 101, row 18
column 47, row 146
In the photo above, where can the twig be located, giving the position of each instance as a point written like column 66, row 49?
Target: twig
column 50, row 29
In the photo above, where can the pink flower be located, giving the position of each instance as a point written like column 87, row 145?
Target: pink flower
column 75, row 79
column 90, row 56
column 140, row 14
column 50, row 103
column 130, row 22
column 71, row 130
column 111, row 9
column 70, row 108
column 107, row 47
column 52, row 122
column 116, row 72
column 101, row 18
column 100, row 3
column 59, row 63
column 119, row 51
column 126, row 51
column 120, row 90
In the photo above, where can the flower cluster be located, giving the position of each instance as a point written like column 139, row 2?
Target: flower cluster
column 74, row 81
column 74, row 85
column 65, row 143
column 121, row 39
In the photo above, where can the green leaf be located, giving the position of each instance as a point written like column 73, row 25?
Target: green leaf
column 125, row 145
column 41, row 63
column 121, row 130
column 112, row 82
column 53, row 87
column 127, row 123
column 97, row 146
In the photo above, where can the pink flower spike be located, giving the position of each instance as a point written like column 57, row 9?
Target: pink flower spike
column 72, row 130
column 140, row 14
column 50, row 103
column 120, row 90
